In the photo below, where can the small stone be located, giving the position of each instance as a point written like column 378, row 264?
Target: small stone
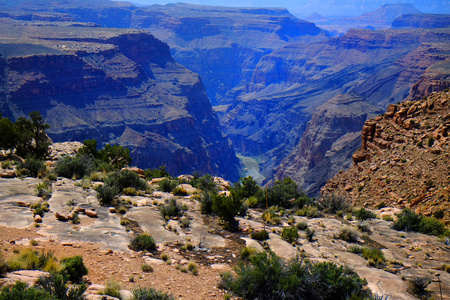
column 112, row 210
column 91, row 213
column 37, row 219
column 60, row 217
column 23, row 204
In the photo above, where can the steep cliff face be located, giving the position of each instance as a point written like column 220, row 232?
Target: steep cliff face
column 333, row 126
column 403, row 159
column 289, row 84
column 118, row 87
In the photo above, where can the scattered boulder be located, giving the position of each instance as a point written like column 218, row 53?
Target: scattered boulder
column 37, row 219
column 61, row 217
column 4, row 173
column 91, row 213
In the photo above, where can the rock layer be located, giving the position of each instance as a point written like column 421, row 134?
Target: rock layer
column 403, row 159
column 116, row 86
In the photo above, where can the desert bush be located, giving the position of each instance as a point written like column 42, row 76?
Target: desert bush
column 43, row 189
column 364, row 214
column 408, row 220
column 146, row 268
column 106, row 194
column 164, row 256
column 74, row 268
column 309, row 211
column 143, row 242
column 439, row 214
column 192, row 267
column 246, row 187
column 74, row 167
column 29, row 259
column 289, row 234
column 363, row 226
column 247, row 252
column 348, row 234
column 226, row 207
column 156, row 173
column 281, row 193
column 141, row 293
column 271, row 217
column 266, row 276
column 260, row 235
column 32, row 167
column 172, row 209
column 130, row 191
column 251, row 202
column 112, row 288
column 356, row 249
column 56, row 285
column 374, row 256
column 206, row 200
column 167, row 185
column 380, row 205
column 302, row 201
column 388, row 218
column 309, row 234
column 333, row 203
column 302, row 226
column 3, row 266
column 7, row 164
column 116, row 155
column 130, row 179
column 418, row 287
column 204, row 183
column 21, row 291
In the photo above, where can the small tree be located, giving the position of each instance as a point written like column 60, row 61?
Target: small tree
column 226, row 207
column 32, row 138
column 8, row 134
column 116, row 155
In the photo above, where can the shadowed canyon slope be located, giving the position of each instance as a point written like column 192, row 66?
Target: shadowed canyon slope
column 116, row 86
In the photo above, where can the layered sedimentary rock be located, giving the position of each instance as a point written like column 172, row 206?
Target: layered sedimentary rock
column 422, row 21
column 403, row 159
column 116, row 86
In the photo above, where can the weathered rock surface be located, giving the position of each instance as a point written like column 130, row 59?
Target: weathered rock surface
column 421, row 21
column 403, row 159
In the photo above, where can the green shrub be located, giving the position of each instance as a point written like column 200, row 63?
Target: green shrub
column 167, row 185
column 56, row 285
column 74, row 167
column 156, row 173
column 289, row 234
column 251, row 202
column 267, row 276
column 116, row 155
column 333, row 203
column 419, row 286
column 388, row 218
column 130, row 179
column 281, row 193
column 226, row 207
column 206, row 200
column 260, row 235
column 141, row 293
column 146, row 268
column 106, row 194
column 439, row 214
column 302, row 201
column 204, row 183
column 43, row 189
column 380, row 205
column 143, row 242
column 31, row 138
column 172, row 209
column 302, row 226
column 21, row 291
column 374, row 256
column 309, row 211
column 74, row 268
column 408, row 220
column 7, row 164
column 192, row 267
column 29, row 259
column 364, row 214
column 246, row 187
column 112, row 288
column 363, row 226
column 356, row 249
column 349, row 234
column 309, row 234
column 3, row 266
column 32, row 167
column 247, row 252
column 129, row 191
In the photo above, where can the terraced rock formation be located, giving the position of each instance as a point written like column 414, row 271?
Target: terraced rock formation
column 116, row 86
